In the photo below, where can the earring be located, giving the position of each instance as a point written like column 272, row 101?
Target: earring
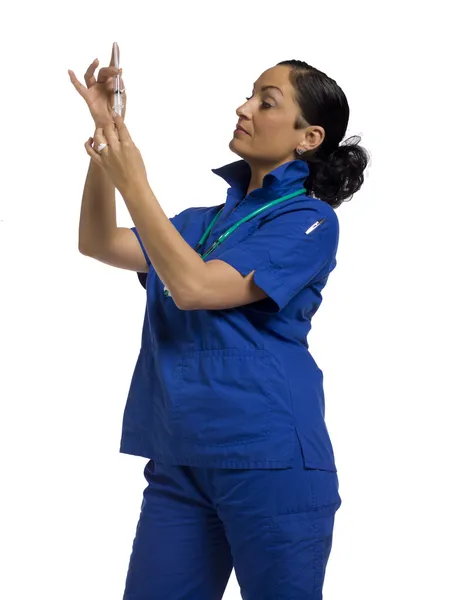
column 299, row 151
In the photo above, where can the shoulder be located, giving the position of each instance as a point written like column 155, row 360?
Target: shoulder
column 292, row 216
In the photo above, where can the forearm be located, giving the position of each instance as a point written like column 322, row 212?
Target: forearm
column 181, row 269
column 98, row 215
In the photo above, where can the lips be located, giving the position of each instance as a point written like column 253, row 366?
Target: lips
column 239, row 127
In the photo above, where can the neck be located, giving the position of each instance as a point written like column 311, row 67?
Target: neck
column 258, row 173
column 256, row 181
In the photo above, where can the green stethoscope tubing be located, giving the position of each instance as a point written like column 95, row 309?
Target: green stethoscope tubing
column 231, row 230
column 227, row 233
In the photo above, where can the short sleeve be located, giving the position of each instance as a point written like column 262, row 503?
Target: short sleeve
column 288, row 252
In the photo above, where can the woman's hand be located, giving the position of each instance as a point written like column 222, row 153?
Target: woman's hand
column 120, row 158
column 99, row 94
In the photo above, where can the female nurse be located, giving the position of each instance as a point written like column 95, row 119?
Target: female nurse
column 226, row 401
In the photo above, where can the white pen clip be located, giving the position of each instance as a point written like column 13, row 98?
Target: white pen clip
column 314, row 226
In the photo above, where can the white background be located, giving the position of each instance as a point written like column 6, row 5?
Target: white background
column 70, row 327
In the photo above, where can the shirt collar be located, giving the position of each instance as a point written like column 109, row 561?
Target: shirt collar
column 238, row 174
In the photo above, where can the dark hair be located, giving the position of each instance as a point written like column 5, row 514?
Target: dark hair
column 336, row 170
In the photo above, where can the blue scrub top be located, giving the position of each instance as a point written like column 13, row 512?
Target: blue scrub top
column 238, row 388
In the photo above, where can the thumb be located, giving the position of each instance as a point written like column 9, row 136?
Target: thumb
column 121, row 127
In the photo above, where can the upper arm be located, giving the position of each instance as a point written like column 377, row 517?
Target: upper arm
column 277, row 261
column 124, row 251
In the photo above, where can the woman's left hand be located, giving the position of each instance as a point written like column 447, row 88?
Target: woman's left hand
column 120, row 159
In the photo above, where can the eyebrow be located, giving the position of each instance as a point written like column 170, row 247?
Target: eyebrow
column 267, row 87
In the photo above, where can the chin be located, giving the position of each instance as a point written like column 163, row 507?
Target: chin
column 233, row 147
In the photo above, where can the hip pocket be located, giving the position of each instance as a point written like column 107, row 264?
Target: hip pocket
column 225, row 397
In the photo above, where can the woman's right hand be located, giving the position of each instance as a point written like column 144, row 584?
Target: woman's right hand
column 99, row 94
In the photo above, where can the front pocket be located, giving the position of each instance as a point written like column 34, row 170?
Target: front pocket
column 225, row 397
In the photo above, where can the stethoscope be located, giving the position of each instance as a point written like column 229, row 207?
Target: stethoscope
column 231, row 230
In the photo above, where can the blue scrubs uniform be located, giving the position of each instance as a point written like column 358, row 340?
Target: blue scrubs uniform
column 228, row 405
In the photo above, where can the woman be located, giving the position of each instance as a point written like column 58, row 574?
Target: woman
column 226, row 400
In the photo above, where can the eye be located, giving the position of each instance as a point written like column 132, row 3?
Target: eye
column 264, row 105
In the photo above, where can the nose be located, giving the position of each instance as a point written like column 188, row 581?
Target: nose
column 242, row 111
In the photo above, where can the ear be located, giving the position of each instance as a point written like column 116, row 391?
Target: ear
column 313, row 137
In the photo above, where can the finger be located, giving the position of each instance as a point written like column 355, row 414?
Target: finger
column 106, row 72
column 78, row 86
column 122, row 130
column 100, row 139
column 92, row 153
column 89, row 76
column 111, row 134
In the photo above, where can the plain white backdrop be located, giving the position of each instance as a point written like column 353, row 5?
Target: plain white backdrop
column 70, row 327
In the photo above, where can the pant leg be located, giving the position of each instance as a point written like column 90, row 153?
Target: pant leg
column 279, row 524
column 180, row 551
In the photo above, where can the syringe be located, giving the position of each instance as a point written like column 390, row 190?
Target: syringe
column 118, row 102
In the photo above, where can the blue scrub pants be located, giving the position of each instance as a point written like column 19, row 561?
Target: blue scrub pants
column 274, row 526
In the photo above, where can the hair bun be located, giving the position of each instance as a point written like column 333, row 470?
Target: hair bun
column 342, row 148
column 340, row 176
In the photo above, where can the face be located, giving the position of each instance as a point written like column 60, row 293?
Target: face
column 268, row 116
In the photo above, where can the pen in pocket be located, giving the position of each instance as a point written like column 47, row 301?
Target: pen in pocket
column 314, row 226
